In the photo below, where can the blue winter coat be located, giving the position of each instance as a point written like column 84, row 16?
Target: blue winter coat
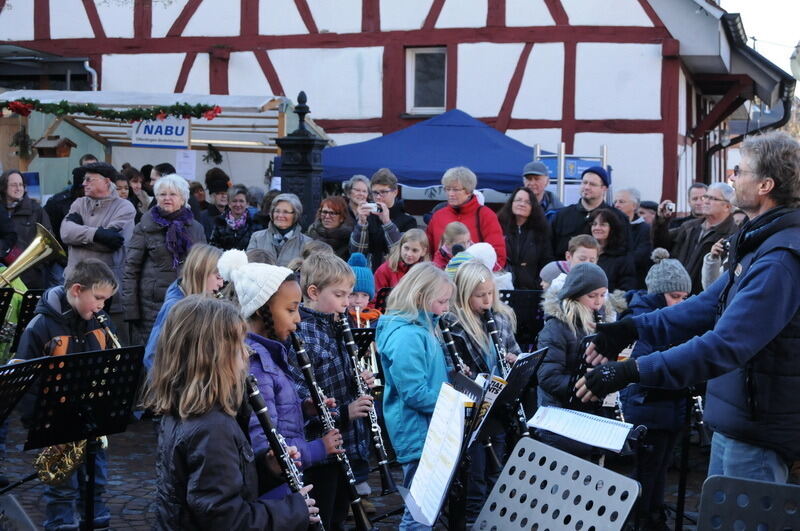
column 173, row 295
column 414, row 371
column 269, row 366
column 638, row 403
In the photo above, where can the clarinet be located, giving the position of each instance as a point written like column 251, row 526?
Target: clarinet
column 491, row 325
column 292, row 475
column 318, row 397
column 387, row 482
column 450, row 346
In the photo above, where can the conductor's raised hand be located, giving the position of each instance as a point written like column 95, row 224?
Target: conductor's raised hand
column 612, row 338
column 605, row 379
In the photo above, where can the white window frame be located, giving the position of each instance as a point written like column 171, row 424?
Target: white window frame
column 411, row 54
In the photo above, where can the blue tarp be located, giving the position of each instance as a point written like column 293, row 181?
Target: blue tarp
column 421, row 153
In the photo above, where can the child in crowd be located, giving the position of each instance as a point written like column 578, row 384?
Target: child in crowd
column 66, row 322
column 198, row 276
column 207, row 476
column 269, row 297
column 358, row 307
column 409, row 251
column 571, row 314
column 413, row 363
column 455, row 233
column 326, row 282
column 581, row 248
column 668, row 284
column 475, row 293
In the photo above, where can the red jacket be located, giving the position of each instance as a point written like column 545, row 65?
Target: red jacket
column 386, row 278
column 441, row 258
column 481, row 222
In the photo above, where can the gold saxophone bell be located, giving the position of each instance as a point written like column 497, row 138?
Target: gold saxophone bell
column 42, row 246
column 55, row 464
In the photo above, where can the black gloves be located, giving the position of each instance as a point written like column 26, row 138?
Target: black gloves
column 612, row 376
column 111, row 238
column 75, row 218
column 612, row 338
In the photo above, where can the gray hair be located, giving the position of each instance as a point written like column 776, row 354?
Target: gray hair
column 635, row 194
column 776, row 155
column 348, row 184
column 173, row 182
column 292, row 200
column 461, row 175
column 233, row 191
column 726, row 190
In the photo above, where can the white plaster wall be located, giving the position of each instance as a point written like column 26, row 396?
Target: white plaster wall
column 341, row 16
column 197, row 82
column 117, row 18
column 605, row 13
column 244, row 168
column 681, row 103
column 685, row 176
column 16, row 22
column 618, row 81
column 484, row 71
column 215, row 18
column 549, row 139
column 68, row 20
column 131, row 73
column 279, row 17
column 164, row 15
column 528, row 13
column 344, row 82
column 245, row 76
column 636, row 159
column 463, row 14
column 405, row 15
column 352, row 138
column 542, row 90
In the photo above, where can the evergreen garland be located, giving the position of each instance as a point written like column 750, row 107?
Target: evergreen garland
column 25, row 106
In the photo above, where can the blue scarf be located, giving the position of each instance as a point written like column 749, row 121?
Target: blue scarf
column 178, row 240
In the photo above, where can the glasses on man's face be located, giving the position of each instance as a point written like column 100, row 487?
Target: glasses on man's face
column 91, row 179
column 328, row 214
column 381, row 193
column 737, row 171
column 707, row 197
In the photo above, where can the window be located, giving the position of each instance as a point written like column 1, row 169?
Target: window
column 425, row 80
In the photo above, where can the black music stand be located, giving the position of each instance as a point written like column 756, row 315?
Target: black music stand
column 380, row 299
column 29, row 301
column 526, row 304
column 5, row 300
column 85, row 396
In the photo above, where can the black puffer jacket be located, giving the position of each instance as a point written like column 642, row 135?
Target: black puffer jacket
column 526, row 254
column 226, row 238
column 619, row 269
column 207, row 479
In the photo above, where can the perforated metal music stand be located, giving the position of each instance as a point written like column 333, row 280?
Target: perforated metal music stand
column 542, row 487
column 5, row 300
column 527, row 307
column 29, row 301
column 736, row 503
column 15, row 379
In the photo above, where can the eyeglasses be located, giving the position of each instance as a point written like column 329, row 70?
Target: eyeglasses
column 454, row 190
column 381, row 193
column 327, row 213
column 712, row 198
column 283, row 213
column 522, row 202
column 737, row 171
column 92, row 179
column 15, row 185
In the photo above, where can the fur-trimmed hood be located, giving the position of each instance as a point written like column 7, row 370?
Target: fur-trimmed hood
column 614, row 306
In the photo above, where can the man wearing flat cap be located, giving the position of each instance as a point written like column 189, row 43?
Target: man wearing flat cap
column 536, row 177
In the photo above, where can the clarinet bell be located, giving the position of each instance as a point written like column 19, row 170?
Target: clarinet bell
column 388, row 485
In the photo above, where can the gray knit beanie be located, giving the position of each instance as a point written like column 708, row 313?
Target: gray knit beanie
column 667, row 274
column 583, row 278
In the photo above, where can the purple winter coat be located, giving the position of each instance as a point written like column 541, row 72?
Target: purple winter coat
column 269, row 365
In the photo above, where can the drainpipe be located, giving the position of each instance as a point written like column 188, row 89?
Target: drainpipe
column 92, row 73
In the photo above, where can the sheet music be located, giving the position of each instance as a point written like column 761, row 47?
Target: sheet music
column 583, row 427
column 496, row 384
column 439, row 456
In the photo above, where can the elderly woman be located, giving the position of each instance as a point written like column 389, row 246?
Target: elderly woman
column 333, row 225
column 462, row 205
column 25, row 214
column 356, row 191
column 282, row 239
column 234, row 227
column 156, row 252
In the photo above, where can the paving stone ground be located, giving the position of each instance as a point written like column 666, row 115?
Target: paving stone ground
column 132, row 483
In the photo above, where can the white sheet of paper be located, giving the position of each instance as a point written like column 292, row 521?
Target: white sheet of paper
column 583, row 427
column 439, row 455
column 186, row 163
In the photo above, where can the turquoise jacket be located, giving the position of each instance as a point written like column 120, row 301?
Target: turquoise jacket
column 414, row 370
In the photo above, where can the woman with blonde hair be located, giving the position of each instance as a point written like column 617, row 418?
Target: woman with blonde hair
column 198, row 276
column 413, row 363
column 206, row 473
column 412, row 249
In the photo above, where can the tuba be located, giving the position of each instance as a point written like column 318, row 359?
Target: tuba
column 42, row 246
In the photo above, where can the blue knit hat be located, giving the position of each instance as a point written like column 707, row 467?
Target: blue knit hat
column 600, row 172
column 365, row 282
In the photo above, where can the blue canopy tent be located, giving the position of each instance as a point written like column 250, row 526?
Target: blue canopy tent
column 421, row 153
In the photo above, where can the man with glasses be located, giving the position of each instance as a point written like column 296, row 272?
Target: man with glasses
column 378, row 229
column 740, row 335
column 690, row 242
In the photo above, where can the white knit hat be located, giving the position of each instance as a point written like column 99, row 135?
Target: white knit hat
column 254, row 283
column 485, row 253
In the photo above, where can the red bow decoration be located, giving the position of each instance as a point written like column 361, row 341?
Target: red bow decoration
column 212, row 113
column 18, row 107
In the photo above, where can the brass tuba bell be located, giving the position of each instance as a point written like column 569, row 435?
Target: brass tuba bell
column 42, row 246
